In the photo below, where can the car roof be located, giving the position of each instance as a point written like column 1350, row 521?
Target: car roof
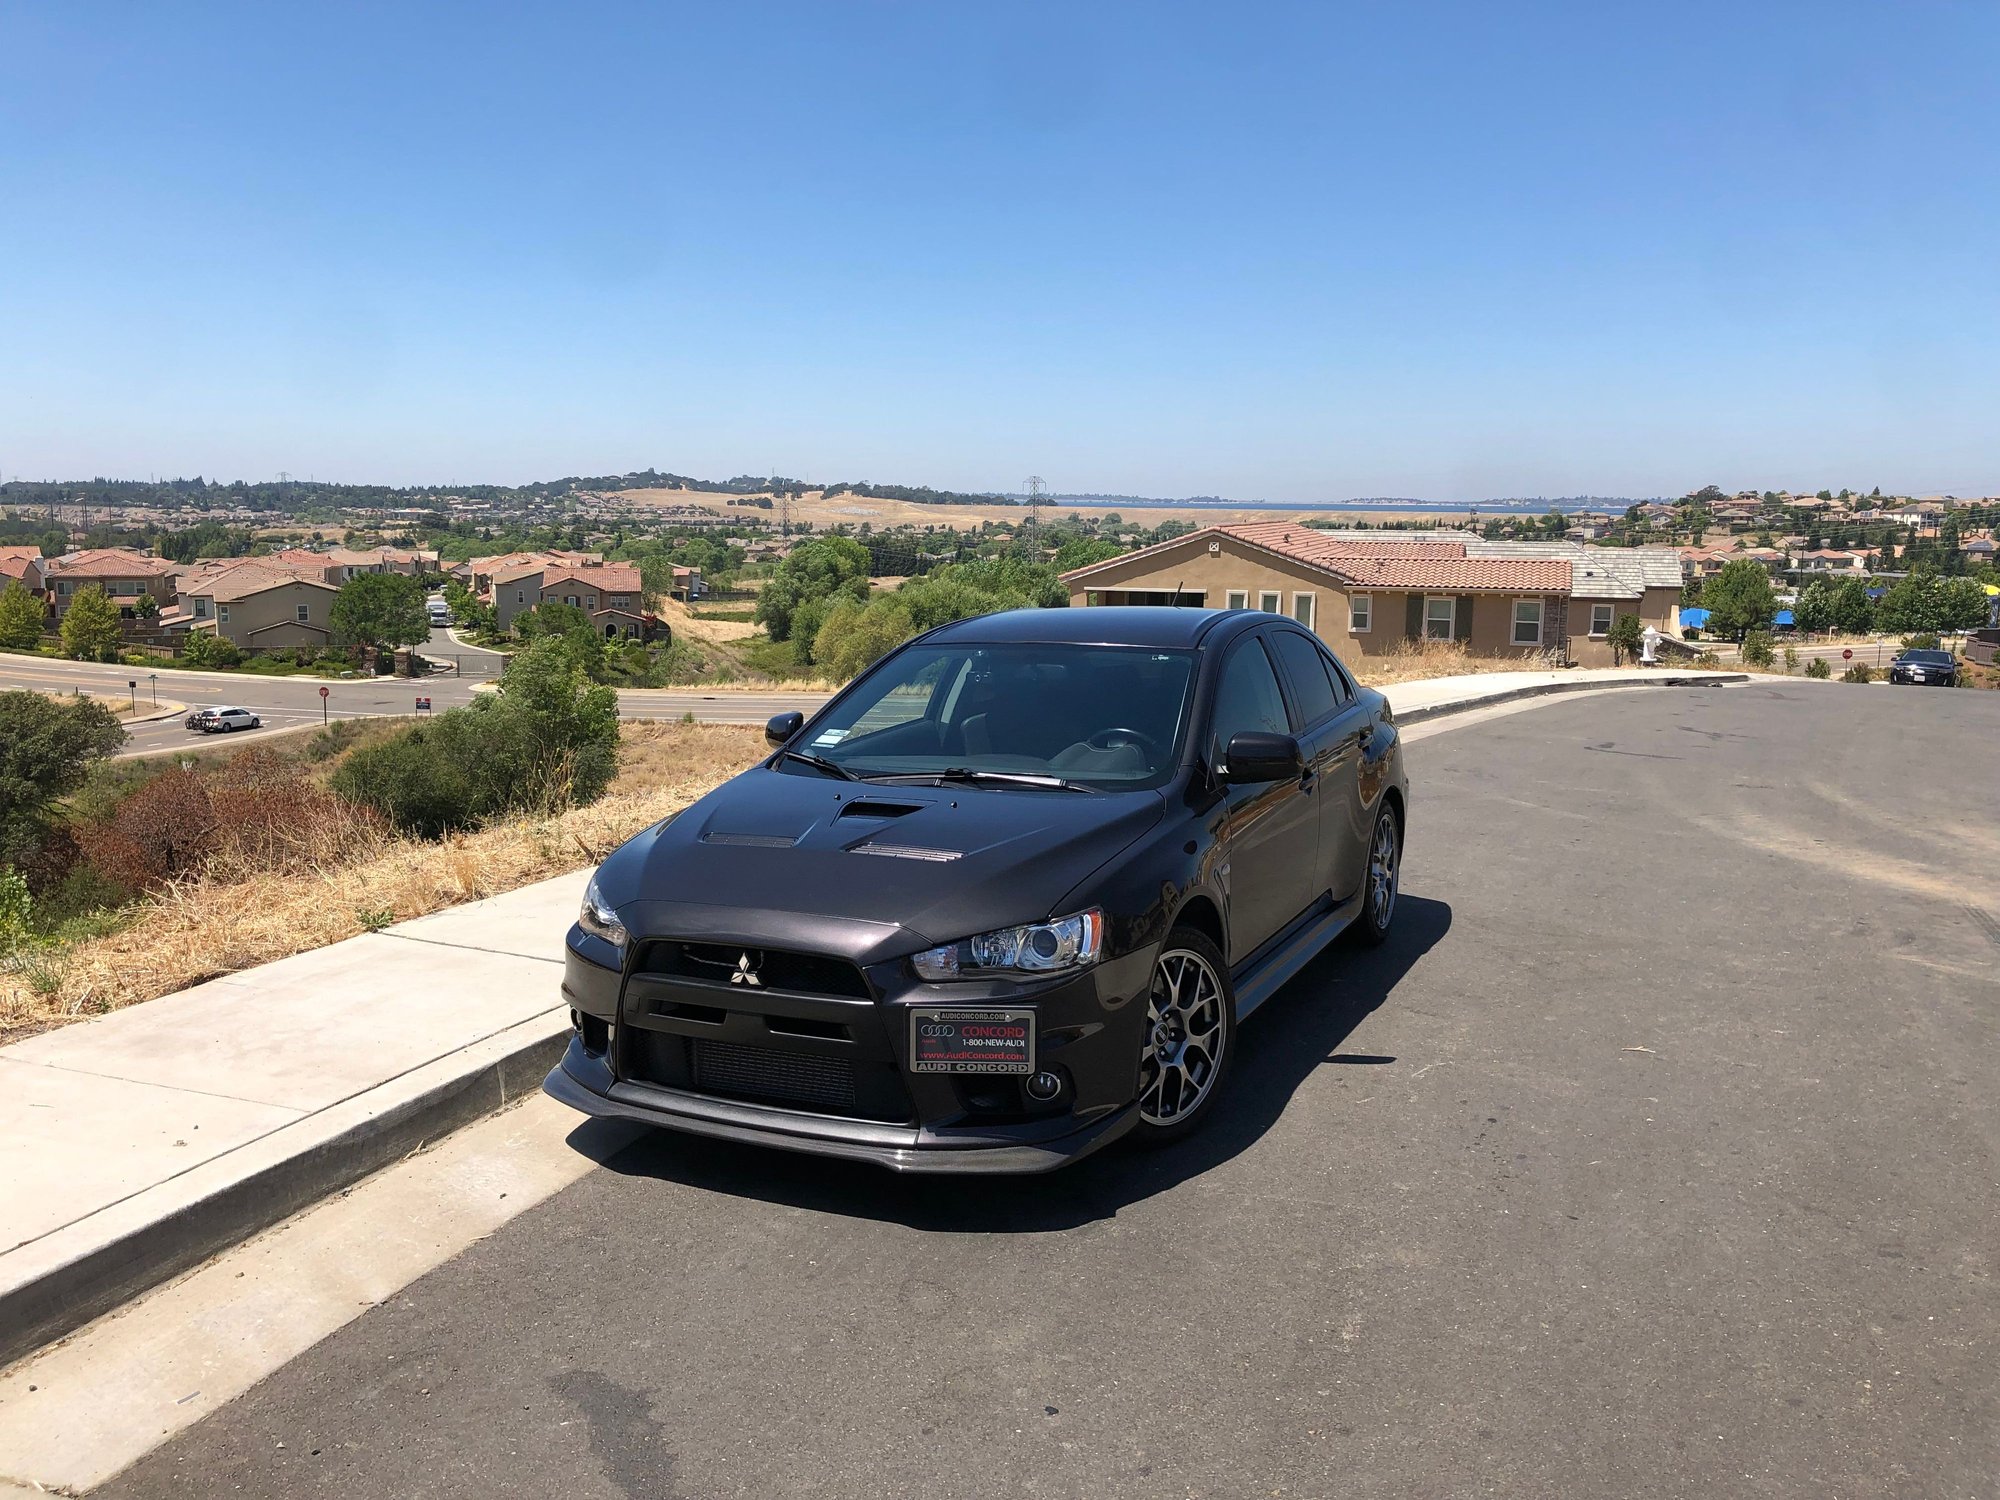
column 1102, row 625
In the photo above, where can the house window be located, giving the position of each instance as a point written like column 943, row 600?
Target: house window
column 201, row 609
column 1303, row 608
column 305, row 613
column 1271, row 602
column 222, row 614
column 1440, row 617
column 1600, row 619
column 590, row 601
column 1237, row 599
column 1360, row 613
column 1527, row 622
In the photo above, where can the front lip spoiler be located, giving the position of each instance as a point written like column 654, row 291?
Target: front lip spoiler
column 750, row 1124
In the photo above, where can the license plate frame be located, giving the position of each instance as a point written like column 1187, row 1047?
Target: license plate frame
column 950, row 1050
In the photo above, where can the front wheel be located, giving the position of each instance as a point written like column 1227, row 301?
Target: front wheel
column 1189, row 1041
column 1381, row 880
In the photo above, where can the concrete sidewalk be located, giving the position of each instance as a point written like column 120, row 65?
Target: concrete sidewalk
column 134, row 1146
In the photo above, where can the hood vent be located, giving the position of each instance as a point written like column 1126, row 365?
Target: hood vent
column 750, row 840
column 868, row 807
column 910, row 851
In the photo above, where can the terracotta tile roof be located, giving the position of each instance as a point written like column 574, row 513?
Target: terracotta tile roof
column 605, row 578
column 251, row 576
column 1454, row 575
column 11, row 554
column 109, row 562
column 20, row 567
column 1311, row 544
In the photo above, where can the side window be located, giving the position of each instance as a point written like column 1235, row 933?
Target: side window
column 1343, row 685
column 1247, row 697
column 1307, row 669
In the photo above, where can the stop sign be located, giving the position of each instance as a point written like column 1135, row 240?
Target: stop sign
column 324, row 691
column 1848, row 654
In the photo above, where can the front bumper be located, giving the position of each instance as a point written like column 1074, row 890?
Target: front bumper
column 642, row 1036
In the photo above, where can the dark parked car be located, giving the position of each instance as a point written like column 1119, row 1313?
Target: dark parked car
column 1001, row 901
column 1930, row 668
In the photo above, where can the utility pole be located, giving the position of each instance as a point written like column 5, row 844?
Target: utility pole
column 1031, row 538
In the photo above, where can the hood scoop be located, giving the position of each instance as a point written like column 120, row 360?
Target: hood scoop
column 751, row 840
column 875, row 807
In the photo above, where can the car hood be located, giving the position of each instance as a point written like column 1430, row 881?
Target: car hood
column 918, row 865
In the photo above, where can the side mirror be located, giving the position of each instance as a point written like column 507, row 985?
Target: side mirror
column 783, row 726
column 1253, row 756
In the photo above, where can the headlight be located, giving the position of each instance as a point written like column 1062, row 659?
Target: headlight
column 598, row 919
column 1038, row 948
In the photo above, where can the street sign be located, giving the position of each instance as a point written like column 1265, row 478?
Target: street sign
column 1848, row 654
column 423, row 705
column 324, row 691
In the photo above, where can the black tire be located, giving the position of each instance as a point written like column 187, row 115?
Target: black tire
column 1172, row 1050
column 1378, row 911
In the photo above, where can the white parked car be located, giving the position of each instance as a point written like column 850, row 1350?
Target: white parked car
column 221, row 720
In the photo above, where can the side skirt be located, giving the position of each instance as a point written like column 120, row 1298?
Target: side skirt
column 1268, row 976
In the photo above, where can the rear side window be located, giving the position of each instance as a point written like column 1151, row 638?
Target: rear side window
column 1307, row 669
column 1247, row 698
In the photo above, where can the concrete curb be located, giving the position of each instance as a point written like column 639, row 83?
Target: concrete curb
column 1544, row 689
column 174, row 1226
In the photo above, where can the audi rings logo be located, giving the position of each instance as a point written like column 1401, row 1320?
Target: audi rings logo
column 745, row 971
column 936, row 1028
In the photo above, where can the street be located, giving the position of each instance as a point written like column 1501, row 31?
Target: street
column 1654, row 1156
column 291, row 702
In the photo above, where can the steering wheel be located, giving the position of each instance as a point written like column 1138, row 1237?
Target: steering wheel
column 1109, row 739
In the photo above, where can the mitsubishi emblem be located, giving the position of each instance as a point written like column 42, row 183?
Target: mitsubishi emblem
column 745, row 972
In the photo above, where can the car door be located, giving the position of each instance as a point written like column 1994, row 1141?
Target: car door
column 1270, row 830
column 1333, row 727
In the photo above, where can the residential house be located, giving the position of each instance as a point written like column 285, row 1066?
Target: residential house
column 1369, row 594
column 22, row 565
column 124, row 573
column 256, row 603
column 1843, row 561
column 611, row 593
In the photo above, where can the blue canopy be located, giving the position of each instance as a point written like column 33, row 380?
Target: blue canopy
column 1782, row 617
column 1692, row 618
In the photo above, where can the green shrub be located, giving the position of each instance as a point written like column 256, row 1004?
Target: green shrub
column 1922, row 642
column 1757, row 650
column 1817, row 667
column 208, row 650
column 1791, row 659
column 547, row 740
column 1859, row 672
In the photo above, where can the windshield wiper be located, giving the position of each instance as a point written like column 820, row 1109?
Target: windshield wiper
column 819, row 763
column 1008, row 778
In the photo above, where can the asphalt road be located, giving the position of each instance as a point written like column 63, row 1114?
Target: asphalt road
column 1655, row 1156
column 290, row 702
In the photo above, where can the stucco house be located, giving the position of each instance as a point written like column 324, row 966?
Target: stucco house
column 256, row 604
column 22, row 565
column 1369, row 594
column 124, row 573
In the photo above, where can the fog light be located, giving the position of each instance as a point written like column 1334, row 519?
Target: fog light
column 1044, row 1086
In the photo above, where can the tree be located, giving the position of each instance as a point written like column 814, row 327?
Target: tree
column 1814, row 609
column 1962, row 604
column 380, row 609
column 812, row 575
column 1853, row 610
column 46, row 749
column 20, row 618
column 1625, row 637
column 1739, row 599
column 856, row 635
column 90, row 625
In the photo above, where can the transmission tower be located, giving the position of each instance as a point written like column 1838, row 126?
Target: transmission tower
column 1032, row 536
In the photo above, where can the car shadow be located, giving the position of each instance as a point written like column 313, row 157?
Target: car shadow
column 1298, row 1031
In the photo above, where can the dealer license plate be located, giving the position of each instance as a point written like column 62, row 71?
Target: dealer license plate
column 972, row 1041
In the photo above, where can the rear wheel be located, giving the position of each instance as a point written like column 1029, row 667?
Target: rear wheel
column 1382, row 880
column 1189, row 1041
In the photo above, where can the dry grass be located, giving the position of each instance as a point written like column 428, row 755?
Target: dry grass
column 1416, row 661
column 209, row 924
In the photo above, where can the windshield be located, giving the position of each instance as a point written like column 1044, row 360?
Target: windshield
column 1928, row 658
column 1099, row 716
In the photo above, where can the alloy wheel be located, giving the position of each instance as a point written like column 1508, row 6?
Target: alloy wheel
column 1383, row 869
column 1185, row 1036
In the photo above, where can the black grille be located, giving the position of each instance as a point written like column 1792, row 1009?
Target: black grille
column 763, row 1073
column 799, row 973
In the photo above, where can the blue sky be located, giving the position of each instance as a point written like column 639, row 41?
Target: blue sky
column 1268, row 251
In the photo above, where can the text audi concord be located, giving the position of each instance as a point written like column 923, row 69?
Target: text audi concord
column 1000, row 902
